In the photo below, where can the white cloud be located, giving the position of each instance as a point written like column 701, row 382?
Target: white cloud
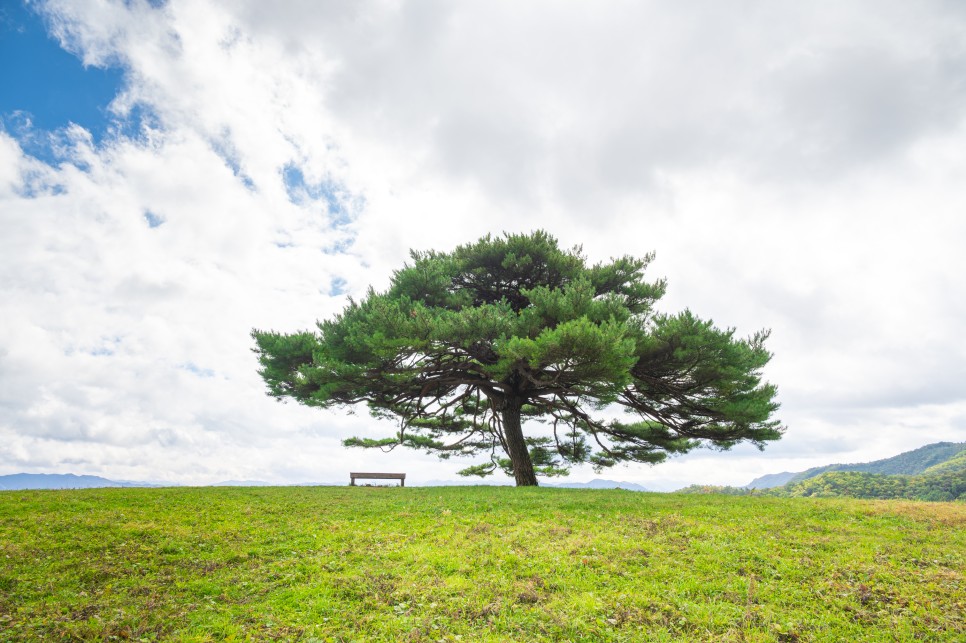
column 795, row 166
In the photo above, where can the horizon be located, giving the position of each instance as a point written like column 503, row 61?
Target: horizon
column 417, row 482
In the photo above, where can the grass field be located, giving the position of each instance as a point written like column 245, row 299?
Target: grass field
column 475, row 564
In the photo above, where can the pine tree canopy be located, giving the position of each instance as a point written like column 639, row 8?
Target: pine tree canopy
column 517, row 351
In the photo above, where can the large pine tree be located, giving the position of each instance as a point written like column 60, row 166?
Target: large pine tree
column 515, row 348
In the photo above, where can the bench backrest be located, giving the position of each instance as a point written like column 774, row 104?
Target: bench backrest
column 379, row 476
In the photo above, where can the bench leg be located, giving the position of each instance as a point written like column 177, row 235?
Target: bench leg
column 352, row 482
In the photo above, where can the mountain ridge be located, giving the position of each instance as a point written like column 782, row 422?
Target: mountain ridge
column 910, row 463
column 25, row 481
column 31, row 481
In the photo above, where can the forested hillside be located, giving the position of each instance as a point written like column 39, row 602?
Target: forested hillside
column 909, row 463
column 949, row 484
column 934, row 472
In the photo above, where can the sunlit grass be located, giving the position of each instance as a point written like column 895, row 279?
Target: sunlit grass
column 475, row 564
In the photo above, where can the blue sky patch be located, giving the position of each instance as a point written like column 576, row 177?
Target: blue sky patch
column 339, row 247
column 154, row 220
column 299, row 191
column 41, row 81
column 191, row 367
column 226, row 151
column 338, row 287
column 140, row 117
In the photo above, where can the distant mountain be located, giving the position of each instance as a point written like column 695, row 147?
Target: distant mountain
column 955, row 463
column 242, row 483
column 771, row 480
column 942, row 483
column 465, row 482
column 20, row 481
column 593, row 484
column 909, row 463
column 142, row 483
column 598, row 484
column 933, row 472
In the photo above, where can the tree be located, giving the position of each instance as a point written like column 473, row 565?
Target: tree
column 465, row 347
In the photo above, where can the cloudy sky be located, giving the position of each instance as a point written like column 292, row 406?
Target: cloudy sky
column 173, row 174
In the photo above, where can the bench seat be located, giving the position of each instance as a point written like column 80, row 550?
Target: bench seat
column 401, row 477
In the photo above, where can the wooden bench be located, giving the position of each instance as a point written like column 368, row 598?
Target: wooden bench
column 401, row 477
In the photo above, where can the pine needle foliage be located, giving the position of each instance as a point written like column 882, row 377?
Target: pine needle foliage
column 466, row 346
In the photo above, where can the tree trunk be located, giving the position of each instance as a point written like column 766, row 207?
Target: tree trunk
column 516, row 446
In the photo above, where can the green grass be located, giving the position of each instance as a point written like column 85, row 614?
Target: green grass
column 475, row 564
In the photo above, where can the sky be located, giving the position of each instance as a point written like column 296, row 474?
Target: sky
column 174, row 174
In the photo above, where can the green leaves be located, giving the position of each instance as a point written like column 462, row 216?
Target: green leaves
column 579, row 355
column 368, row 443
column 702, row 382
column 464, row 343
column 282, row 358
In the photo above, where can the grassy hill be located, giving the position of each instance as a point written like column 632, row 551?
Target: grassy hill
column 475, row 564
